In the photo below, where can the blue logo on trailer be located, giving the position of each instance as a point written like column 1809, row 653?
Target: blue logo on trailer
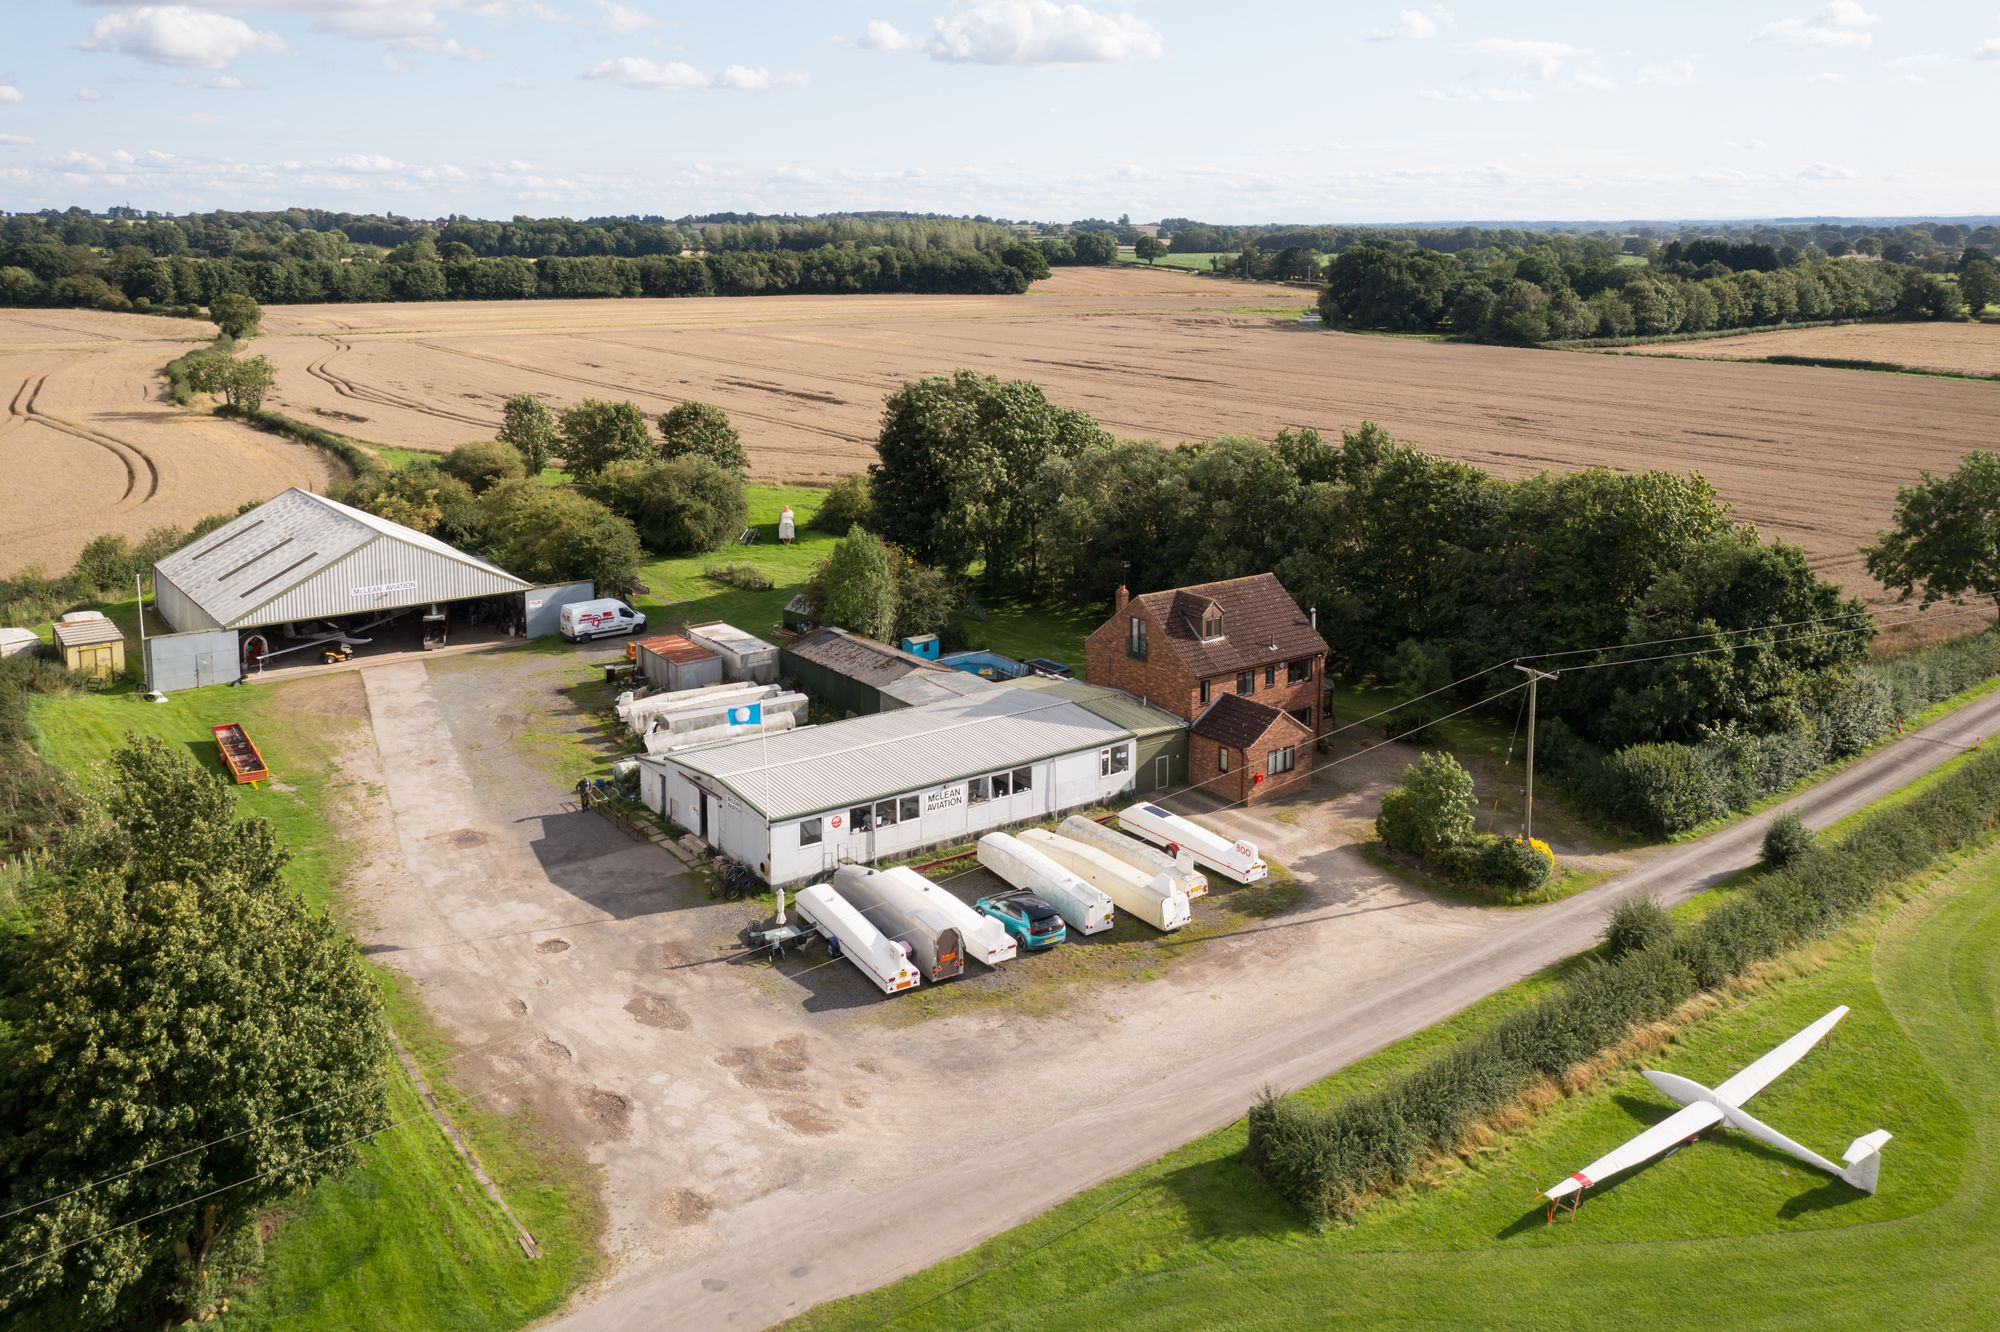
column 750, row 714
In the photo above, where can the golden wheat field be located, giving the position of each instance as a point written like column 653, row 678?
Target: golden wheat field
column 1952, row 349
column 1811, row 456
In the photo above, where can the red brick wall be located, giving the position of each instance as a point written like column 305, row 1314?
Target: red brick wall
column 1236, row 784
column 1164, row 680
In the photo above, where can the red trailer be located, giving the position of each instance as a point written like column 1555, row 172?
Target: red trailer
column 239, row 755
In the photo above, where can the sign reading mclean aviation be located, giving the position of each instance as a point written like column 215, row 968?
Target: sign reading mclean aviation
column 949, row 798
column 382, row 589
column 1702, row 1108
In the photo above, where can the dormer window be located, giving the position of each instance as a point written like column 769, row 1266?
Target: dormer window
column 1211, row 623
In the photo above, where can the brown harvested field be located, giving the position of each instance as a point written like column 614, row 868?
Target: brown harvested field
column 1952, row 349
column 89, row 444
column 1812, row 456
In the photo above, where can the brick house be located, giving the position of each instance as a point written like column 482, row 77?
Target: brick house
column 1240, row 661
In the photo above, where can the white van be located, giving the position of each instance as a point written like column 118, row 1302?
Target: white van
column 594, row 619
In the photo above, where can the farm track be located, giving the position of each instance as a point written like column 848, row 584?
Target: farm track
column 135, row 460
column 347, row 388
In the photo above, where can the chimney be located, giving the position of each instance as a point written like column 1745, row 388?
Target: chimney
column 1119, row 599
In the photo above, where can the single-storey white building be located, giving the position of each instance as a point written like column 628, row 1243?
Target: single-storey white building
column 794, row 805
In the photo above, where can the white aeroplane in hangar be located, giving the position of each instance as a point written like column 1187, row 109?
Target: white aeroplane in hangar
column 1702, row 1108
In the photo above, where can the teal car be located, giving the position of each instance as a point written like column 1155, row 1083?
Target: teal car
column 1031, row 920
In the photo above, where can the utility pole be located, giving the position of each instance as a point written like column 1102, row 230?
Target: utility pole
column 1535, row 679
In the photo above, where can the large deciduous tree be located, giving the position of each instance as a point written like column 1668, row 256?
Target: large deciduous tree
column 550, row 535
column 596, row 434
column 680, row 506
column 855, row 586
column 235, row 314
column 956, row 455
column 530, row 428
column 1946, row 540
column 186, row 1042
column 697, row 430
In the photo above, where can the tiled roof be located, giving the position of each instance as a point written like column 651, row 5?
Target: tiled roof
column 1260, row 623
column 1240, row 722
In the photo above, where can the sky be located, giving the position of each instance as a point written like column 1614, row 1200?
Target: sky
column 1247, row 112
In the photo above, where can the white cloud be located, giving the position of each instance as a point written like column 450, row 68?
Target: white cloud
column 15, row 140
column 89, row 95
column 1840, row 24
column 179, row 35
column 677, row 75
column 1826, row 76
column 9, row 93
column 1828, row 171
column 1542, row 59
column 1477, row 95
column 1746, row 145
column 1668, row 73
column 624, row 18
column 1027, row 32
column 882, row 35
column 75, row 162
column 1988, row 49
column 1415, row 25
column 1594, row 79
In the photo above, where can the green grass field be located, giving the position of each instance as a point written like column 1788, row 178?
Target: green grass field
column 1724, row 1233
column 1195, row 259
column 407, row 1239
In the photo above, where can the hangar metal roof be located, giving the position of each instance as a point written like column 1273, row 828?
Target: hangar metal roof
column 1114, row 705
column 302, row 556
column 796, row 773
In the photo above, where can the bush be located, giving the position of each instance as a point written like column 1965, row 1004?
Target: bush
column 847, row 503
column 1666, row 789
column 680, row 506
column 1635, row 923
column 1786, row 840
column 1514, row 866
column 548, row 535
column 484, row 464
column 235, row 314
column 745, row 577
column 596, row 434
column 1435, row 808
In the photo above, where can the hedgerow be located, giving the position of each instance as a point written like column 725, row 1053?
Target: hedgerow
column 1329, row 1161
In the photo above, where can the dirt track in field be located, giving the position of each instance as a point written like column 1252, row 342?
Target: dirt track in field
column 1811, row 456
column 1953, row 349
column 89, row 444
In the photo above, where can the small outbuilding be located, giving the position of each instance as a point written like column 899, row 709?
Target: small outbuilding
column 91, row 645
column 854, row 676
column 745, row 657
column 672, row 663
column 1243, row 751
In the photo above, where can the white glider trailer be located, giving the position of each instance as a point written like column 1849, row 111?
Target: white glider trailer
column 1141, row 856
column 1231, row 859
column 1153, row 898
column 986, row 939
column 905, row 916
column 1085, row 909
column 878, row 957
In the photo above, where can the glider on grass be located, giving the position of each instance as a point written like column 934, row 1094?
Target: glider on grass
column 1702, row 1108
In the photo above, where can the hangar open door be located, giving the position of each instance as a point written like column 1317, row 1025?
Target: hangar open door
column 543, row 605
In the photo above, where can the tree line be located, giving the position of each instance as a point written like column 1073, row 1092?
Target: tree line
column 1544, row 295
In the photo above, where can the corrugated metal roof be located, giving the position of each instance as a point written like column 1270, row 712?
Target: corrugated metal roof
column 301, row 556
column 672, row 647
column 1114, row 705
column 729, row 637
column 820, row 768
column 857, row 657
column 921, row 687
column 80, row 633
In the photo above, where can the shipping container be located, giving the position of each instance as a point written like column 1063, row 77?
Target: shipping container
column 874, row 954
column 1086, row 909
column 1152, row 898
column 1142, row 856
column 906, row 917
column 1230, row 857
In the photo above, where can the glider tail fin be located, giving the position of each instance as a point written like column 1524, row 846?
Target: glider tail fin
column 1864, row 1160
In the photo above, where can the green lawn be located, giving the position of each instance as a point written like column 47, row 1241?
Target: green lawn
column 1195, row 259
column 1722, row 1234
column 407, row 1239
